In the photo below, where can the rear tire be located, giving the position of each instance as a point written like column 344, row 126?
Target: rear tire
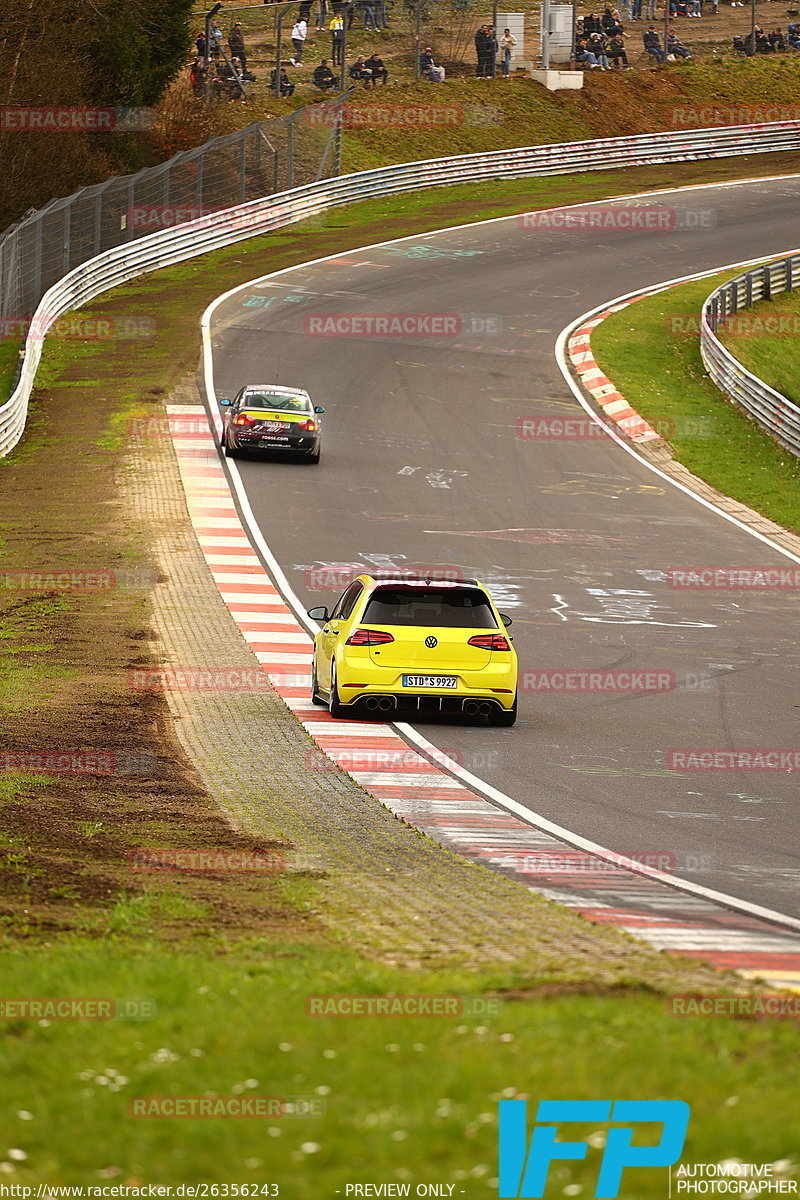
column 335, row 706
column 229, row 453
column 313, row 458
column 315, row 696
column 505, row 717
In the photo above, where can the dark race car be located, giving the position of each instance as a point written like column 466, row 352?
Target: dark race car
column 272, row 418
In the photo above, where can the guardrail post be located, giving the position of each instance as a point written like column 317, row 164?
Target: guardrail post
column 767, row 282
column 748, row 283
column 788, row 267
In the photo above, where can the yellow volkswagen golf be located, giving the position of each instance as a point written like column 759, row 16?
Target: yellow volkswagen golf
column 397, row 645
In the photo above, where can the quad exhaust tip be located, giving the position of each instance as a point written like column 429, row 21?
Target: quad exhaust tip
column 380, row 703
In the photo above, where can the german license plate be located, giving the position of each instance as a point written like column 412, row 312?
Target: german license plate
column 273, row 427
column 430, row 681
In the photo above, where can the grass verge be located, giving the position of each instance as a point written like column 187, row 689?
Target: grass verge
column 396, row 1099
column 762, row 338
column 652, row 352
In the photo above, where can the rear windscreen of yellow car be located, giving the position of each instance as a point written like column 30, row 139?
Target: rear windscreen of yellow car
column 447, row 617
column 445, row 608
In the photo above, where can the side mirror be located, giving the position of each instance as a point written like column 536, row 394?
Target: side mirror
column 504, row 617
column 225, row 402
column 318, row 409
column 318, row 614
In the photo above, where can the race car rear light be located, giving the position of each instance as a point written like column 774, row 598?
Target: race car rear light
column 309, row 426
column 243, row 419
column 369, row 637
column 489, row 641
column 501, row 691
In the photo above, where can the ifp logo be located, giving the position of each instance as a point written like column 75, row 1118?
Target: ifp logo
column 524, row 1169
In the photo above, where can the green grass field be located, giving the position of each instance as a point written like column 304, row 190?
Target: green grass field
column 651, row 350
column 764, row 338
column 405, row 1098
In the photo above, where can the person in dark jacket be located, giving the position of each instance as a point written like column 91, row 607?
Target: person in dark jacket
column 200, row 42
column 360, row 70
column 287, row 88
column 480, row 51
column 236, row 45
column 592, row 24
column 616, row 52
column 375, row 64
column 652, row 44
column 323, row 77
column 675, row 46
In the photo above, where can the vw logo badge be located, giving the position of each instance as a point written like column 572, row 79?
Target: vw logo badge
column 431, row 641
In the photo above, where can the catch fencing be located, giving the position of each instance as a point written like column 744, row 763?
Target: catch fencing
column 101, row 260
column 771, row 410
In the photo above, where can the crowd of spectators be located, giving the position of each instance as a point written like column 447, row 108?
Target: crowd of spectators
column 600, row 44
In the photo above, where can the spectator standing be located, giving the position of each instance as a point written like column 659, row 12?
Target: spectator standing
column 200, row 42
column 336, row 28
column 480, row 51
column 197, row 75
column 651, row 9
column 507, row 44
column 637, row 10
column 322, row 12
column 215, row 40
column 491, row 50
column 236, row 45
column 652, row 44
column 299, row 35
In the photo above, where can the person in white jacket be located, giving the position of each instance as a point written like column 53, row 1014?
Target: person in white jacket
column 507, row 44
column 299, row 35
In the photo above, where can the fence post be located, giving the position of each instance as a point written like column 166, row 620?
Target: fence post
column 242, row 167
column 67, row 236
column 98, row 222
column 290, row 152
column 199, row 184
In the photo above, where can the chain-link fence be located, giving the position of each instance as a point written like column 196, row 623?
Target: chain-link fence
column 266, row 157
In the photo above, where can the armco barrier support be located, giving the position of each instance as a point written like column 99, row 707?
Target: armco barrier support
column 223, row 228
column 772, row 411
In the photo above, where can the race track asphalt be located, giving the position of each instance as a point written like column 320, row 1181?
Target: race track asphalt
column 423, row 464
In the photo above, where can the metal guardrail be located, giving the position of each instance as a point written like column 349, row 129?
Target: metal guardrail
column 768, row 408
column 218, row 229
